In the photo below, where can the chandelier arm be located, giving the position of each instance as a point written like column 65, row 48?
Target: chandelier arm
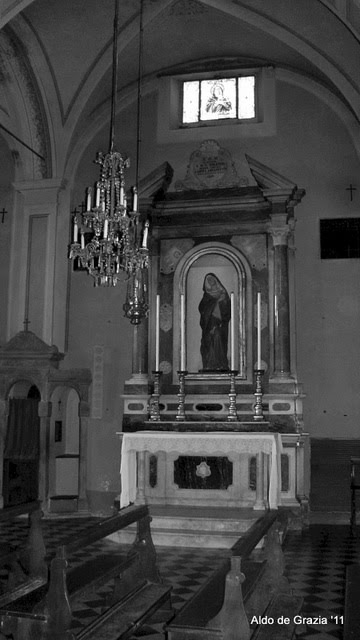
column 114, row 75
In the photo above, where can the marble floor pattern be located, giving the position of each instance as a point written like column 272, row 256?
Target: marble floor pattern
column 316, row 560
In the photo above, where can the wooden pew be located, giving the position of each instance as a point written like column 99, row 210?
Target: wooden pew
column 223, row 606
column 137, row 595
column 352, row 609
column 26, row 564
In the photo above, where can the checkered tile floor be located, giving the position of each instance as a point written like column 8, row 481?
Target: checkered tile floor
column 316, row 561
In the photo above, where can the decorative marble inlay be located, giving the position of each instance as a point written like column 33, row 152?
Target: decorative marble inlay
column 166, row 315
column 97, row 383
column 193, row 472
column 172, row 251
column 210, row 167
column 153, row 471
column 165, row 366
column 281, row 406
column 203, row 470
column 254, row 248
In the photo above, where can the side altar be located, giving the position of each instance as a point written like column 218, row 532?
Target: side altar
column 214, row 378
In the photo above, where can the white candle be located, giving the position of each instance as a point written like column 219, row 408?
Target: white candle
column 258, row 364
column 157, row 333
column 88, row 199
column 82, row 238
column 106, row 228
column 232, row 333
column 135, row 199
column 182, row 333
column 76, row 230
column 97, row 200
column 145, row 236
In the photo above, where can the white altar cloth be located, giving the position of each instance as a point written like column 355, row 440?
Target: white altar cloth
column 192, row 443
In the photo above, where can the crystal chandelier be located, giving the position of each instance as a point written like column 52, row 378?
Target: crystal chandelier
column 109, row 239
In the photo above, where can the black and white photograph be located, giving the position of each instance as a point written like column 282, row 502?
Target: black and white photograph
column 179, row 319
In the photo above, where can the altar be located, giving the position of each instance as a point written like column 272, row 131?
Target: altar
column 176, row 468
column 213, row 411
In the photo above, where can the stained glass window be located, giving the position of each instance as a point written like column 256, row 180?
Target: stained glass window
column 219, row 99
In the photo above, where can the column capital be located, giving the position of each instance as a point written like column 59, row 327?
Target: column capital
column 280, row 236
column 280, row 228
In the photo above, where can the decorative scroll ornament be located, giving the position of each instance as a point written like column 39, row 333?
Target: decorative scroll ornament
column 211, row 167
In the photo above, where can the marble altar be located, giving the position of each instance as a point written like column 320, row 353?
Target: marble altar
column 237, row 447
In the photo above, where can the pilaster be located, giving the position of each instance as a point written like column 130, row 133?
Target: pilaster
column 32, row 263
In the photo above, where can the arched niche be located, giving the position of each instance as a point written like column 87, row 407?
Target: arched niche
column 233, row 271
column 21, row 457
column 65, row 462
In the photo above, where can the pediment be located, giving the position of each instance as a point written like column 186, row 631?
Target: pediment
column 267, row 178
column 27, row 345
column 156, row 183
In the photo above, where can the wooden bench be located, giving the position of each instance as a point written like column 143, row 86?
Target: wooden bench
column 223, row 606
column 26, row 563
column 137, row 595
column 352, row 609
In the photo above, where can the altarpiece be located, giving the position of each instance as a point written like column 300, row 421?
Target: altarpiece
column 221, row 240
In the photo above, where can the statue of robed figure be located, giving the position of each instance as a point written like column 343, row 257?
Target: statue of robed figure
column 215, row 311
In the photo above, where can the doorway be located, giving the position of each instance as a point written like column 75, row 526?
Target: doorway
column 21, row 454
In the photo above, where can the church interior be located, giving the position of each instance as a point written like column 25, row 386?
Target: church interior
column 179, row 269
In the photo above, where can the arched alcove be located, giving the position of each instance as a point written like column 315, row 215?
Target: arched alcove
column 22, row 444
column 231, row 269
column 64, row 449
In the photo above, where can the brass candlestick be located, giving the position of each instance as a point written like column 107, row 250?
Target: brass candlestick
column 180, row 416
column 154, row 400
column 232, row 415
column 258, row 407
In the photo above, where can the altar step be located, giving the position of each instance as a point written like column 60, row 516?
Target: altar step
column 204, row 527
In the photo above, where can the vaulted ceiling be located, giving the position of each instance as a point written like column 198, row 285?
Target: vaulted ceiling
column 64, row 49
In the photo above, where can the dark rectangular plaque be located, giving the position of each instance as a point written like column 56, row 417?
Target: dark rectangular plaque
column 195, row 472
column 340, row 238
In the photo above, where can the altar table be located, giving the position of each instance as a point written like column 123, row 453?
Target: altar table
column 205, row 444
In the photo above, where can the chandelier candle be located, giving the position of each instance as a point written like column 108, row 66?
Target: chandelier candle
column 145, row 236
column 135, row 199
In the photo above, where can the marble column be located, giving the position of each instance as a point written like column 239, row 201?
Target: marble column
column 282, row 366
